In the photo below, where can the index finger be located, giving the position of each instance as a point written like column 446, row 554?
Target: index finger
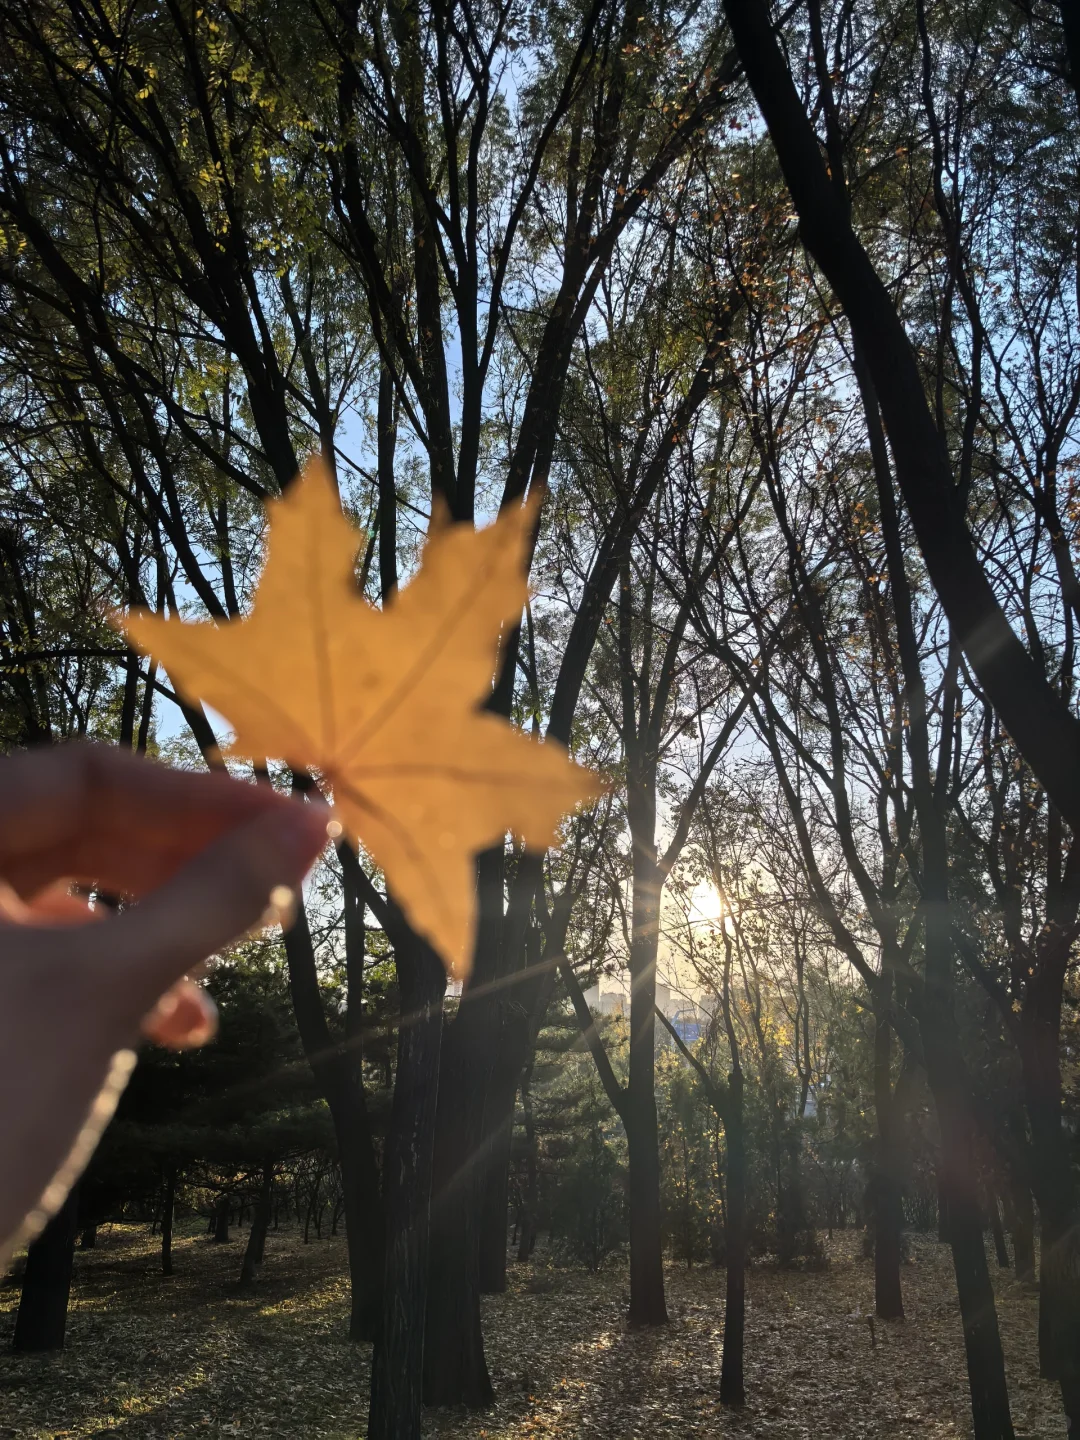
column 98, row 813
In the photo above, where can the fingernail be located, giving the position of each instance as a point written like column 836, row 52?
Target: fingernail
column 183, row 1019
column 206, row 1029
column 301, row 831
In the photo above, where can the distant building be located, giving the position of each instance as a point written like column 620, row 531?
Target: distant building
column 688, row 1016
column 606, row 1002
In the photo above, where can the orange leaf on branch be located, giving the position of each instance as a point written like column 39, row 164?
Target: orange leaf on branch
column 385, row 705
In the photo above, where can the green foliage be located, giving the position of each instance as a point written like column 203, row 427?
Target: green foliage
column 692, row 1153
column 216, row 1115
column 589, row 1211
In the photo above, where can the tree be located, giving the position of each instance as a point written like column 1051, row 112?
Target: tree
column 42, row 1316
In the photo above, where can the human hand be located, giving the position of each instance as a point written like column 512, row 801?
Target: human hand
column 199, row 853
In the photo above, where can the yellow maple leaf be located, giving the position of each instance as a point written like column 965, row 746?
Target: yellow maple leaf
column 384, row 704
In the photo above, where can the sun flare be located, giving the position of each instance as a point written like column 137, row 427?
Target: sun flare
column 707, row 905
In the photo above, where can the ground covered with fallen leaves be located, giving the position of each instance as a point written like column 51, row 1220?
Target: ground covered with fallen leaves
column 150, row 1358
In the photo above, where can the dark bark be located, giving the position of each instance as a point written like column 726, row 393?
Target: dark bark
column 1054, row 1183
column 260, row 1223
column 398, row 1363
column 647, row 1303
column 168, row 1208
column 221, row 1221
column 996, row 1230
column 942, row 1203
column 959, row 1148
column 888, row 1210
column 455, row 1367
column 1037, row 979
column 1021, row 1220
column 363, row 1212
column 42, row 1318
column 310, row 1208
column 476, row 1195
column 982, row 1340
column 486, row 1049
column 985, row 1362
column 388, row 501
column 732, row 1388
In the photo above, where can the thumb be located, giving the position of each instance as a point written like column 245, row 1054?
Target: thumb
column 215, row 898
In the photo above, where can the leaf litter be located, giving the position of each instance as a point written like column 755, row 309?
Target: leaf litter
column 150, row 1358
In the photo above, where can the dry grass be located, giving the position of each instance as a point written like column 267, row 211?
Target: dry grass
column 150, row 1358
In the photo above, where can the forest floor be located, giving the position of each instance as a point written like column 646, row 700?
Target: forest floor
column 150, row 1358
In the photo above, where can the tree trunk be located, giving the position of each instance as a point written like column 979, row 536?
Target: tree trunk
column 520, row 1002
column 1059, row 1307
column 168, row 1207
column 888, row 1206
column 398, row 1363
column 1055, row 1186
column 985, row 1361
column 647, row 1304
column 221, row 1221
column 1020, row 1214
column 982, row 1340
column 498, row 1137
column 455, row 1367
column 260, row 1223
column 950, row 1085
column 732, row 1390
column 942, row 1204
column 957, row 1169
column 42, row 1317
column 309, row 1212
column 888, row 1230
column 1000, row 1249
column 364, row 1220
column 522, row 1010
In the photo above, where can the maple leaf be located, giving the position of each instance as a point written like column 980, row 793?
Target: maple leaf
column 384, row 704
